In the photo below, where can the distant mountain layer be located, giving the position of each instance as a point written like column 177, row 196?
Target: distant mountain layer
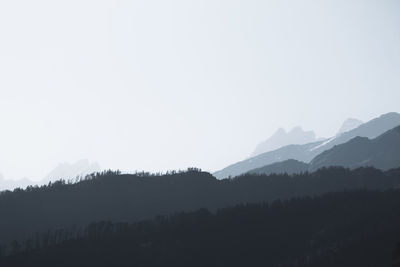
column 349, row 125
column 66, row 171
column 8, row 184
column 382, row 152
column 282, row 138
column 307, row 152
column 71, row 170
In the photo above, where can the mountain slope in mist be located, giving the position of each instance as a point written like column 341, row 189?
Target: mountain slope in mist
column 282, row 138
column 67, row 170
column 349, row 125
column 382, row 152
column 307, row 152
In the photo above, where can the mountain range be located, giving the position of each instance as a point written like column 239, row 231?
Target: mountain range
column 105, row 218
column 282, row 138
column 382, row 153
column 297, row 136
column 8, row 184
column 71, row 170
column 64, row 171
column 307, row 152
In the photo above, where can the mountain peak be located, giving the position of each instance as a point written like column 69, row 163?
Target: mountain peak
column 348, row 125
column 71, row 170
column 282, row 138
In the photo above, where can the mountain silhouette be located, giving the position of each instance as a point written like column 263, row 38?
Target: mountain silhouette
column 9, row 184
column 307, row 152
column 382, row 153
column 71, row 170
column 282, row 138
column 349, row 125
column 65, row 171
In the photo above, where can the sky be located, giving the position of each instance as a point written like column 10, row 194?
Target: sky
column 162, row 85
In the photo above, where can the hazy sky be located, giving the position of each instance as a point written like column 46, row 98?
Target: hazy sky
column 160, row 85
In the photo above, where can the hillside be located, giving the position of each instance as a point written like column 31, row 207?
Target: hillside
column 339, row 229
column 126, row 198
column 382, row 152
column 296, row 136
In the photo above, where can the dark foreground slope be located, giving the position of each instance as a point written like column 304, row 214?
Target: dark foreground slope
column 357, row 228
column 128, row 198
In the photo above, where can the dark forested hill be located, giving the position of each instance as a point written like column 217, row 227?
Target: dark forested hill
column 346, row 229
column 127, row 198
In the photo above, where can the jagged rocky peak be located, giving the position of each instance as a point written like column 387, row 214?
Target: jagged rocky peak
column 282, row 138
column 348, row 125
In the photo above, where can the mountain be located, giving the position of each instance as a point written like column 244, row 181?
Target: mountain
column 64, row 171
column 282, row 138
column 8, row 184
column 298, row 152
column 349, row 125
column 127, row 198
column 382, row 152
column 289, row 166
column 307, row 152
column 67, row 171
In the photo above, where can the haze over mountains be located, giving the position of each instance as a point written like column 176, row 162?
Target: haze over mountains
column 364, row 158
column 72, row 170
column 8, row 184
column 306, row 152
column 282, row 138
column 297, row 136
column 64, row 171
column 382, row 153
column 348, row 125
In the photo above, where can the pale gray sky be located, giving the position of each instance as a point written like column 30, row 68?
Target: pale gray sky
column 160, row 85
